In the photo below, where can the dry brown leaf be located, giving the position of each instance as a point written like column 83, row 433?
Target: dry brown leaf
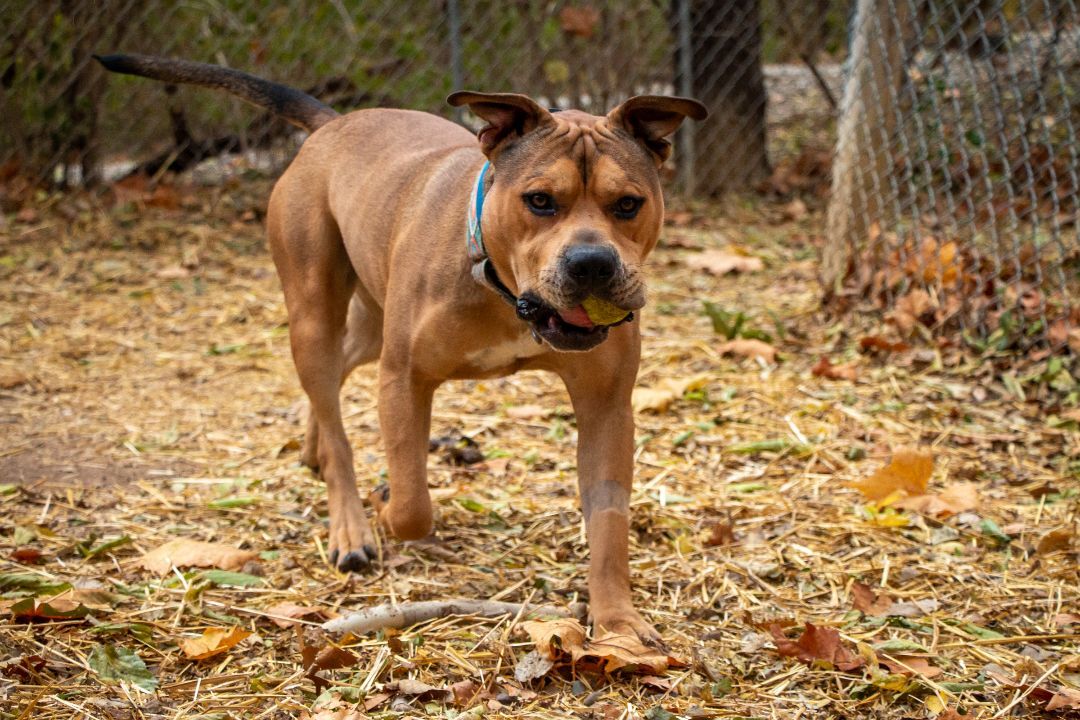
column 464, row 692
column 12, row 379
column 286, row 613
column 195, row 553
column 659, row 398
column 1055, row 541
column 564, row 641
column 527, row 412
column 824, row 368
column 816, row 644
column 908, row 472
column 213, row 641
column 721, row 533
column 876, row 342
column 869, row 602
column 748, row 349
column 420, row 689
column 953, row 500
column 911, row 665
column 721, row 262
column 1064, row 699
column 336, row 714
column 1062, row 619
column 580, row 21
column 910, row 309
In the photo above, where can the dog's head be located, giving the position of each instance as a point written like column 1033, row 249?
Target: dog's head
column 573, row 206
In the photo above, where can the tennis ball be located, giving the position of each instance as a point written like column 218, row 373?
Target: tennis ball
column 601, row 312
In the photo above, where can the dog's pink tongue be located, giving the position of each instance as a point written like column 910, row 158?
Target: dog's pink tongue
column 577, row 316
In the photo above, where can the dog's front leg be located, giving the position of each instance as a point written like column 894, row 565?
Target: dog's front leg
column 600, row 384
column 404, row 506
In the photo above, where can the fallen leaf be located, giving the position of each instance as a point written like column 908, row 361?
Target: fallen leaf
column 1060, row 540
column 53, row 608
column 464, row 692
column 564, row 641
column 748, row 349
column 914, row 608
column 869, row 602
column 876, row 342
column 195, row 553
column 659, row 398
column 954, row 499
column 721, row 262
column 911, row 665
column 1062, row 619
column 26, row 555
column 213, row 641
column 909, row 472
column 816, row 644
column 420, row 690
column 12, row 379
column 910, row 310
column 532, row 666
column 1064, row 698
column 117, row 664
column 580, row 21
column 824, row 368
column 527, row 412
column 721, row 533
column 286, row 613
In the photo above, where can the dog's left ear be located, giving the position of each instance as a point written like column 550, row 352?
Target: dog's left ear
column 652, row 118
column 507, row 115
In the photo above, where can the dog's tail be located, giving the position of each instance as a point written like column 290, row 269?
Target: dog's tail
column 295, row 106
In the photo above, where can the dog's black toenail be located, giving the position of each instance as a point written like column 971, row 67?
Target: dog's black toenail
column 354, row 561
column 384, row 492
column 333, row 557
column 370, row 551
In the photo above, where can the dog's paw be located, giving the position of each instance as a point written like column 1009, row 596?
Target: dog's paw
column 627, row 622
column 352, row 541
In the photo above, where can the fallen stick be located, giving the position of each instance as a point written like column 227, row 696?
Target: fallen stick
column 406, row 614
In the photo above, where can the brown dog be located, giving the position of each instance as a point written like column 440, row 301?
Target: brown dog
column 369, row 235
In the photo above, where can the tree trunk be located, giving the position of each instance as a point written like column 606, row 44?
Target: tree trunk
column 726, row 75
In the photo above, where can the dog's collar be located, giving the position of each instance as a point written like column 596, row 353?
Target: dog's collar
column 483, row 270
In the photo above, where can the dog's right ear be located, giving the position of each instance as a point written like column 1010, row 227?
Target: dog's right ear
column 507, row 115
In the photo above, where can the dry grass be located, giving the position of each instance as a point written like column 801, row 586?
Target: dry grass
column 146, row 378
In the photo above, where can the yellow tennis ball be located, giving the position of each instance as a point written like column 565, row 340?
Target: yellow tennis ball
column 601, row 312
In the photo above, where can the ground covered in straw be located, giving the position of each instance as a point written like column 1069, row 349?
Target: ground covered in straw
column 147, row 396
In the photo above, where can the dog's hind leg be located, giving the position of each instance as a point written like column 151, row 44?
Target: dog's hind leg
column 363, row 343
column 318, row 281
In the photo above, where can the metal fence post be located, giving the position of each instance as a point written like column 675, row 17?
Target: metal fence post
column 457, row 63
column 686, row 151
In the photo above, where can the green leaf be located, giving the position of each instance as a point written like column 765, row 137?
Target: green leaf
column 8, row 488
column 230, row 579
column 658, row 713
column 897, row 645
column 471, row 505
column 139, row 631
column 776, row 445
column 103, row 547
column 28, row 582
column 24, row 535
column 117, row 664
column 981, row 632
column 993, row 530
column 233, row 502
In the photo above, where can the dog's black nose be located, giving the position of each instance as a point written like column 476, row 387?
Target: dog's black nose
column 590, row 266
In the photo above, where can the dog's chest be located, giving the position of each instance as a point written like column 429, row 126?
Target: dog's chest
column 505, row 355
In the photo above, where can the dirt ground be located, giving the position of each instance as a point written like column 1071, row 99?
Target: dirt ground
column 147, row 395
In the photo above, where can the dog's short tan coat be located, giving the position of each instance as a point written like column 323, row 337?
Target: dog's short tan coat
column 367, row 230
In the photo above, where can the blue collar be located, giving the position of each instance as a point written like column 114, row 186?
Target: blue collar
column 483, row 271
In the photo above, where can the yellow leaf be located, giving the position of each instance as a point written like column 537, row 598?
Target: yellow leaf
column 658, row 399
column 908, row 471
column 213, row 641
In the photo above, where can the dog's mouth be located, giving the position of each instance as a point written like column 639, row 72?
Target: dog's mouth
column 567, row 330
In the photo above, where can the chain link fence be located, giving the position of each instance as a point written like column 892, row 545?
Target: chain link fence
column 951, row 126
column 955, row 199
column 68, row 122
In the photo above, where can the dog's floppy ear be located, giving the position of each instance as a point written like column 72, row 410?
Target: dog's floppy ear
column 652, row 118
column 506, row 114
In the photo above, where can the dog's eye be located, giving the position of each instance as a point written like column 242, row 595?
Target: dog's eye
column 540, row 203
column 627, row 206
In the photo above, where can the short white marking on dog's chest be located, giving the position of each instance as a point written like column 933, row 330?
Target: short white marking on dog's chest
column 504, row 354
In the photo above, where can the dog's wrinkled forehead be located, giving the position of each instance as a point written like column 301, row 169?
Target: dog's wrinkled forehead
column 580, row 137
